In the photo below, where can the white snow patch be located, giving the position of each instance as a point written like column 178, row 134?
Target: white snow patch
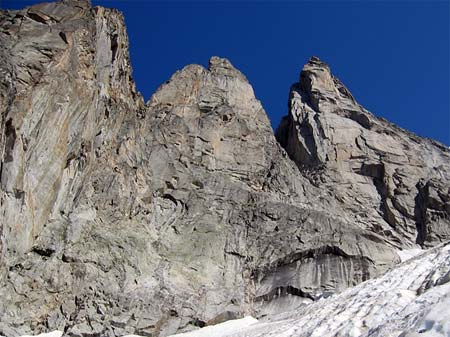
column 436, row 322
column 409, row 253
column 222, row 329
column 48, row 334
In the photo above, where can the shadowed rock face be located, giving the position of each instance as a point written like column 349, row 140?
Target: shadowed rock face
column 123, row 217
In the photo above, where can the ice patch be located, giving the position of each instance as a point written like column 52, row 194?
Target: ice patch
column 409, row 253
column 48, row 334
column 222, row 329
column 436, row 322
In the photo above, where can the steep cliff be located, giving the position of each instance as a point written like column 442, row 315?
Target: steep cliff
column 123, row 217
column 396, row 182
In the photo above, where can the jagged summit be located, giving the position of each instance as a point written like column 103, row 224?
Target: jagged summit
column 360, row 155
column 219, row 92
column 77, row 3
column 320, row 88
column 317, row 62
column 223, row 66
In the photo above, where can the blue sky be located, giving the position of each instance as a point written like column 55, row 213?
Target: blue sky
column 393, row 56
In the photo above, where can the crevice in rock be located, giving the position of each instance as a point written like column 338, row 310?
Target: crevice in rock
column 236, row 254
column 304, row 89
column 10, row 135
column 284, row 291
column 343, row 89
column 310, row 253
column 43, row 251
column 38, row 17
column 303, row 153
column 281, row 133
column 420, row 212
column 360, row 118
column 198, row 322
column 64, row 37
column 114, row 47
column 377, row 172
column 170, row 197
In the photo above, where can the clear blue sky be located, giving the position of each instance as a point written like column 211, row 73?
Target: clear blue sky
column 393, row 56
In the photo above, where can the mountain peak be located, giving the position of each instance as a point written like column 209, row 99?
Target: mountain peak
column 219, row 62
column 222, row 66
column 77, row 3
column 219, row 89
column 326, row 129
column 316, row 77
column 317, row 61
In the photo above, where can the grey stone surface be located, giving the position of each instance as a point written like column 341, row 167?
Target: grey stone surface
column 122, row 217
column 396, row 182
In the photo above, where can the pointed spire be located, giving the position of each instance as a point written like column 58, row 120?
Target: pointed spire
column 222, row 66
column 316, row 65
column 317, row 61
column 316, row 77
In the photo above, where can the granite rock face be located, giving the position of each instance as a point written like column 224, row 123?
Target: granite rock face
column 122, row 217
column 397, row 183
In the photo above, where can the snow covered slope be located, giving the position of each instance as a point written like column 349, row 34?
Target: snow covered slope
column 223, row 329
column 50, row 334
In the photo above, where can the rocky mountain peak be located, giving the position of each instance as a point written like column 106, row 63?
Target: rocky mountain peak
column 123, row 218
column 320, row 89
column 222, row 66
column 314, row 64
column 359, row 155
column 77, row 3
column 221, row 91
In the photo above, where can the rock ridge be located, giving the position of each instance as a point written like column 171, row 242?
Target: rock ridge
column 351, row 149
